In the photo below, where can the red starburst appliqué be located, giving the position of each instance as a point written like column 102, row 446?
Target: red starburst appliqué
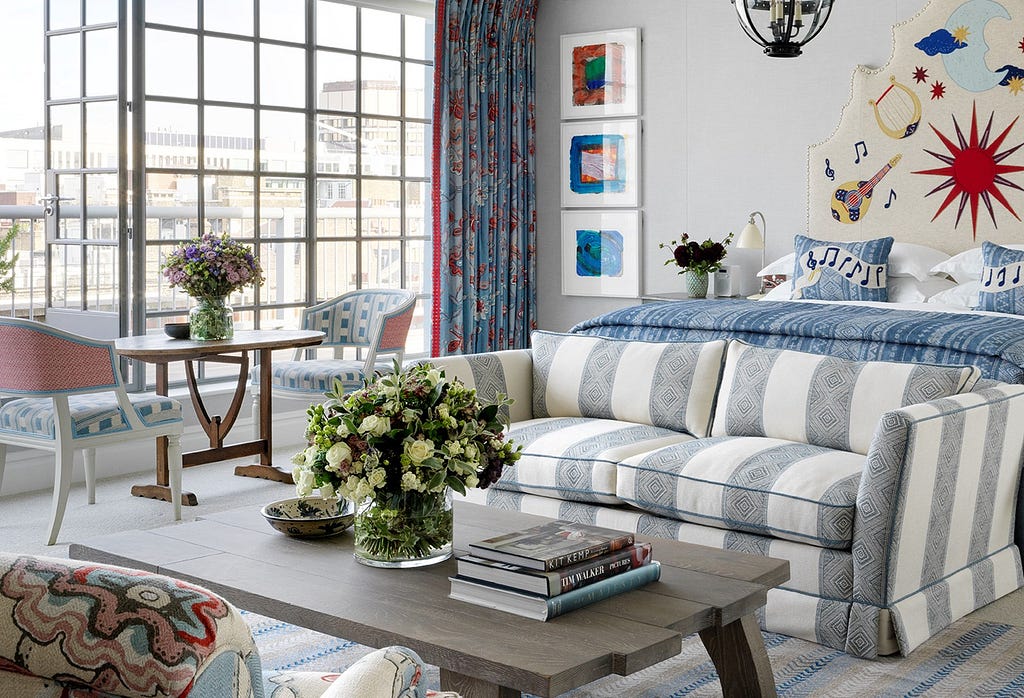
column 938, row 90
column 1021, row 45
column 974, row 171
column 920, row 74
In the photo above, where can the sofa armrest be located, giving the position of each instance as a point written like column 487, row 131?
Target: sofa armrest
column 509, row 372
column 938, row 493
column 116, row 630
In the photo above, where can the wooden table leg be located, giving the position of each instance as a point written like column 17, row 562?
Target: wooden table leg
column 264, row 469
column 162, row 490
column 739, row 655
column 468, row 687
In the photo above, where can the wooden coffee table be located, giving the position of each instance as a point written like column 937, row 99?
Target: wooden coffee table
column 317, row 584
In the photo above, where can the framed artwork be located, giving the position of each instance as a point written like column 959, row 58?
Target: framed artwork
column 600, row 163
column 600, row 74
column 601, row 253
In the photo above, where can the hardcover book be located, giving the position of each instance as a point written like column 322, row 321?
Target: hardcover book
column 556, row 581
column 552, row 545
column 543, row 608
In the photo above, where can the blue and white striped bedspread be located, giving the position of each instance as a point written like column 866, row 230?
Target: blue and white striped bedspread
column 995, row 344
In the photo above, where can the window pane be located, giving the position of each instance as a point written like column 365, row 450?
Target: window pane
column 230, row 143
column 65, row 66
column 100, row 11
column 381, row 212
column 171, row 135
column 65, row 136
column 336, row 81
column 234, row 16
column 281, row 71
column 100, row 62
column 282, row 141
column 336, row 208
column 66, row 276
column 336, row 271
column 174, row 78
column 381, row 86
column 228, row 71
column 101, row 205
column 418, row 100
column 230, row 202
column 381, row 32
column 382, row 264
column 417, row 37
column 282, row 207
column 283, row 19
column 178, row 13
column 172, row 207
column 336, row 144
column 335, row 24
column 101, row 269
column 416, row 149
column 417, row 209
column 381, row 146
column 416, row 277
column 284, row 267
column 65, row 14
column 69, row 187
column 101, row 134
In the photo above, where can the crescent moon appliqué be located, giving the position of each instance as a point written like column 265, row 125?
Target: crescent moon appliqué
column 966, row 66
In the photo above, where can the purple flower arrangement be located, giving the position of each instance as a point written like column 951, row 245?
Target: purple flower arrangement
column 211, row 266
column 702, row 257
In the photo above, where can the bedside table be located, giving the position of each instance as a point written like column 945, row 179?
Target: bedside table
column 679, row 296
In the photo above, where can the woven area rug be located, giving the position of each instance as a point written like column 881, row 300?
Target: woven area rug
column 966, row 659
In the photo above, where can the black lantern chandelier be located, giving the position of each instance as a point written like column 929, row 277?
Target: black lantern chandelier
column 782, row 26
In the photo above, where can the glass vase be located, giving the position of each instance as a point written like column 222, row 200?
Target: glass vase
column 696, row 283
column 211, row 318
column 408, row 529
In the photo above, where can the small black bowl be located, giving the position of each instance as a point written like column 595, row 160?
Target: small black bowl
column 176, row 330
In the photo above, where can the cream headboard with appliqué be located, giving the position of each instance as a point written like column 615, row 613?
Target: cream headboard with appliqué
column 930, row 148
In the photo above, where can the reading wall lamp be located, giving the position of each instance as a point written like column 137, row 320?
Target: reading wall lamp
column 751, row 238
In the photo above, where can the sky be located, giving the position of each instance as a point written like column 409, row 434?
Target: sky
column 21, row 71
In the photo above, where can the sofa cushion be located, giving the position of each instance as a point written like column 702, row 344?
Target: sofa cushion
column 823, row 400
column 771, row 487
column 670, row 385
column 575, row 458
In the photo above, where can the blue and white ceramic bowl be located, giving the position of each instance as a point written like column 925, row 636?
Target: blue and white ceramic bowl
column 309, row 517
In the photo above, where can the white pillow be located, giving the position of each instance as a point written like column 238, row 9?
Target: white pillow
column 900, row 289
column 963, row 295
column 905, row 259
column 965, row 266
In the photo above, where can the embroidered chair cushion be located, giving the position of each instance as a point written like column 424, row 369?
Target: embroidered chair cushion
column 823, row 400
column 841, row 271
column 1002, row 280
column 663, row 384
column 317, row 375
column 91, row 415
column 771, row 487
column 574, row 458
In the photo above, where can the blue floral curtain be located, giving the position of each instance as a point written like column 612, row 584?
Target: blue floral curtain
column 484, row 190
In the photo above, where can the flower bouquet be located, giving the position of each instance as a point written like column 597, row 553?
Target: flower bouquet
column 396, row 448
column 696, row 260
column 209, row 268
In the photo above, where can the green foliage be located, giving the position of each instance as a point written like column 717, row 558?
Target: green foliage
column 690, row 255
column 7, row 262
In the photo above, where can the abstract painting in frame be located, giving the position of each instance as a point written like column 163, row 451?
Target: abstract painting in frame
column 600, row 74
column 600, row 163
column 601, row 253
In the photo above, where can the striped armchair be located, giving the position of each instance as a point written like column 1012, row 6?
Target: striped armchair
column 68, row 394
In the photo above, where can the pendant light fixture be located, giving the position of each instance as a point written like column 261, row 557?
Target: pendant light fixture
column 782, row 26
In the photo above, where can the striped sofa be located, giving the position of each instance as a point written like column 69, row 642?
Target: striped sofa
column 890, row 487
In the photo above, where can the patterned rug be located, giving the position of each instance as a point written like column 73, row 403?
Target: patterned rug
column 966, row 659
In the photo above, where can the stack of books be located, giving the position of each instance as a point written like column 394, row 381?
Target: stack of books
column 552, row 569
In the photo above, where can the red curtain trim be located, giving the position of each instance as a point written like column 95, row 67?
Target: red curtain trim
column 440, row 26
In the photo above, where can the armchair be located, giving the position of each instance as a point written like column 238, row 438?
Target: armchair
column 69, row 395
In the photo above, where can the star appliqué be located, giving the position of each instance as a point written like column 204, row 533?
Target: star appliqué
column 920, row 74
column 938, row 90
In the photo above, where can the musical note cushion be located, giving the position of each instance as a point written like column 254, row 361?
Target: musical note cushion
column 841, row 271
column 1002, row 280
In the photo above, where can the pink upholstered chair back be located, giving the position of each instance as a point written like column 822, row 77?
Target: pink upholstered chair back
column 42, row 360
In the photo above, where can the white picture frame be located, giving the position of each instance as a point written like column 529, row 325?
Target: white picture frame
column 601, row 164
column 600, row 74
column 613, row 268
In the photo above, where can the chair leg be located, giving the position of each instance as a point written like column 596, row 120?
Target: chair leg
column 89, row 458
column 3, row 462
column 174, row 471
column 64, row 460
column 256, row 413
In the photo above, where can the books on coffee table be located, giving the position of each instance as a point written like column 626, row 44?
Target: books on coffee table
column 541, row 607
column 557, row 581
column 552, row 545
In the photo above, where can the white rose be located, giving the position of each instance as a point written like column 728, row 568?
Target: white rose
column 375, row 426
column 377, row 477
column 310, row 454
column 419, row 450
column 434, row 376
column 327, row 491
column 410, row 481
column 472, row 454
column 471, row 481
column 338, row 453
column 303, row 482
column 299, row 458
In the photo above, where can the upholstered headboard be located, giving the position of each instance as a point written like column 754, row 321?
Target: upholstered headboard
column 928, row 149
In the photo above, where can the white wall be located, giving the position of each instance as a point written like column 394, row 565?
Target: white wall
column 726, row 129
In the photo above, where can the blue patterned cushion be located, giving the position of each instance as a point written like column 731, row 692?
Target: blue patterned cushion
column 316, row 376
column 841, row 271
column 771, row 487
column 1002, row 280
column 91, row 414
column 575, row 458
column 669, row 385
column 823, row 400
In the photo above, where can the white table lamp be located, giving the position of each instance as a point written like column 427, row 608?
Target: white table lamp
column 751, row 238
